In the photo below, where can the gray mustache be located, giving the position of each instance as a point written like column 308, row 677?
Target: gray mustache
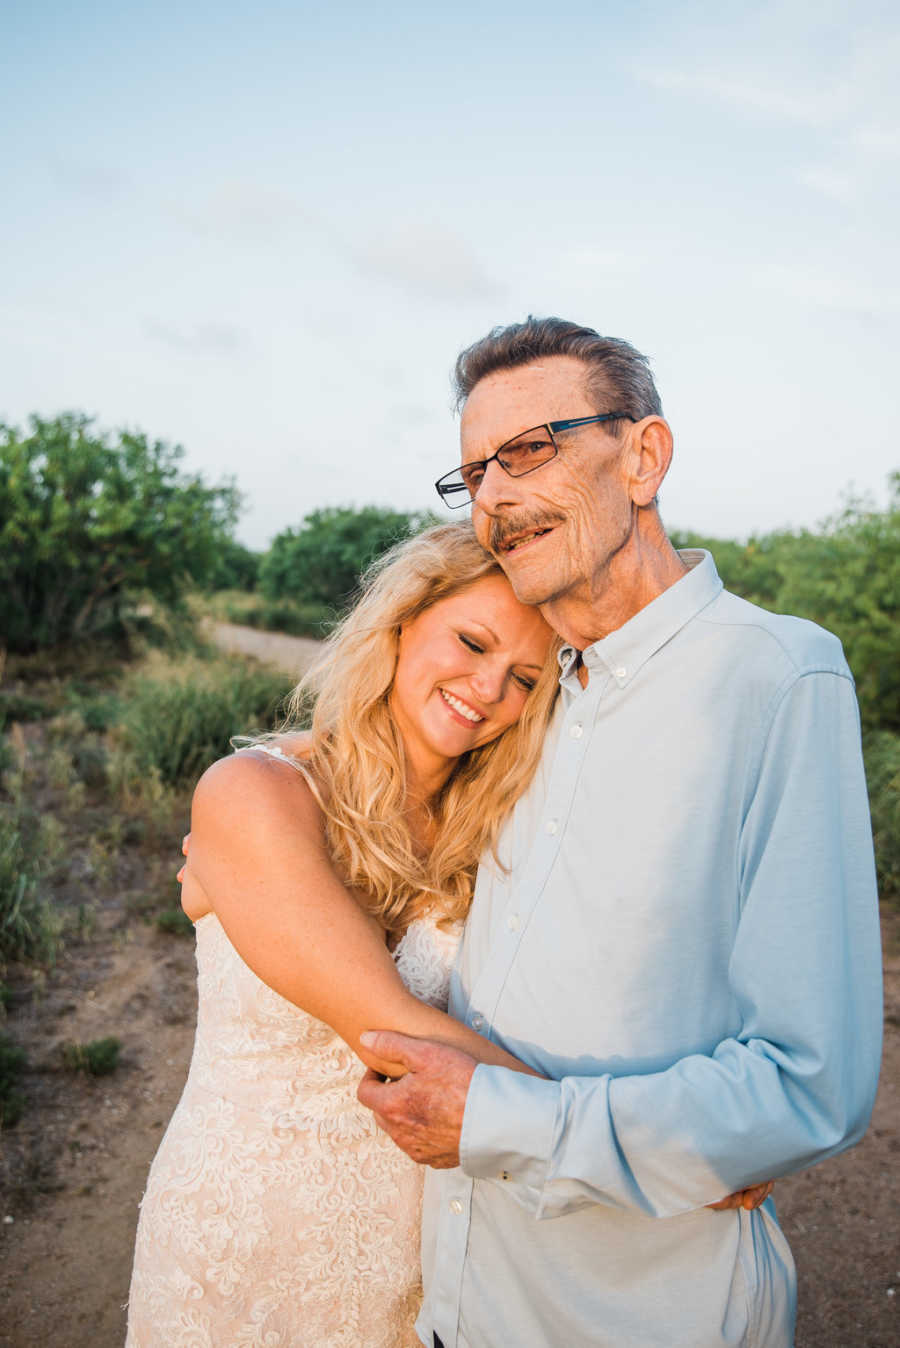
column 509, row 527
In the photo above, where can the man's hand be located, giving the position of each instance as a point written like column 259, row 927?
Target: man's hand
column 423, row 1110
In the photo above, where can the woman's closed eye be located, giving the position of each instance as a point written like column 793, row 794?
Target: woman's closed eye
column 523, row 680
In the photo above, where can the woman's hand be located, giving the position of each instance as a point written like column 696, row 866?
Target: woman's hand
column 748, row 1199
column 185, row 845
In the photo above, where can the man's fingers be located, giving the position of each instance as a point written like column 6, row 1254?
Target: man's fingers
column 393, row 1047
column 185, row 844
column 180, row 875
column 372, row 1092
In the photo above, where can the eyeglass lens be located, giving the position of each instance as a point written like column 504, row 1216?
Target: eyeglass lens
column 529, row 450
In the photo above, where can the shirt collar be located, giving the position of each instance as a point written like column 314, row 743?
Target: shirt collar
column 624, row 651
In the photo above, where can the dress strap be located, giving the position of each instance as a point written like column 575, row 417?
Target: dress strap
column 274, row 751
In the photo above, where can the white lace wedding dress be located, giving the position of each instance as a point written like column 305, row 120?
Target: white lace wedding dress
column 276, row 1214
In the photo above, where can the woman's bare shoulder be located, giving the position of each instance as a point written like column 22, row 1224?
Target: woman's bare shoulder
column 256, row 784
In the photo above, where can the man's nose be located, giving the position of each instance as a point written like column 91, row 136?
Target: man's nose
column 497, row 489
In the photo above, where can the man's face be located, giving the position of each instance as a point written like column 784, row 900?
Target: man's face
column 554, row 530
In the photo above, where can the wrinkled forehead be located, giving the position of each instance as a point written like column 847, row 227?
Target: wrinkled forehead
column 509, row 401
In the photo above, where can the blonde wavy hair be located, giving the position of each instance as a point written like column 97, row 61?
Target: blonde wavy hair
column 356, row 764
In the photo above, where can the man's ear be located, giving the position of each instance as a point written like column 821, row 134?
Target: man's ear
column 650, row 455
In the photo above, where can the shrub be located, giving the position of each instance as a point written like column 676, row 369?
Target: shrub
column 846, row 577
column 175, row 921
column 29, row 928
column 98, row 1058
column 17, row 706
column 322, row 560
column 237, row 567
column 176, row 726
column 12, row 1064
column 882, row 755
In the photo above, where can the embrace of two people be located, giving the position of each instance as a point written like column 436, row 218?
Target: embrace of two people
column 576, row 859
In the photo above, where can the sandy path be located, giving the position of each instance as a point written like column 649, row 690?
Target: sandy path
column 294, row 655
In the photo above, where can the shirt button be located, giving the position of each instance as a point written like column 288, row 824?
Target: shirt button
column 576, row 731
column 513, row 921
column 552, row 825
column 621, row 672
column 477, row 1021
column 455, row 1206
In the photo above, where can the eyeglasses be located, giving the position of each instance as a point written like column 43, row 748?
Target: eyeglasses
column 523, row 454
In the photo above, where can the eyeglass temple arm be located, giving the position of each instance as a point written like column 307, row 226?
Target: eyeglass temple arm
column 584, row 421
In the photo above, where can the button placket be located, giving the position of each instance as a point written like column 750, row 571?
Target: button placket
column 569, row 754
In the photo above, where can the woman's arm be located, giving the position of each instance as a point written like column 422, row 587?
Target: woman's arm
column 258, row 855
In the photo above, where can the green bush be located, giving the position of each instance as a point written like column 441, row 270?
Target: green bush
column 175, row 922
column 846, row 577
column 882, row 755
column 12, row 1064
column 176, row 726
column 237, row 568
column 28, row 928
column 98, row 710
column 18, row 706
column 98, row 1058
column 322, row 560
column 89, row 527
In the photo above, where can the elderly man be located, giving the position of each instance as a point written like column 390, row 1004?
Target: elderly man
column 684, row 940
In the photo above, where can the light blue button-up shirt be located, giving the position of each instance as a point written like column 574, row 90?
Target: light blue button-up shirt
column 686, row 944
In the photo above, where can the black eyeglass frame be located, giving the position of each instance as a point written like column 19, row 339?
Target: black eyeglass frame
column 445, row 489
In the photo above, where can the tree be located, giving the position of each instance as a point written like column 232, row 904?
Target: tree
column 237, row 568
column 88, row 525
column 322, row 560
column 846, row 577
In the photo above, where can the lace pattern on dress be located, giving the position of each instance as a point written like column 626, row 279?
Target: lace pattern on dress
column 276, row 1214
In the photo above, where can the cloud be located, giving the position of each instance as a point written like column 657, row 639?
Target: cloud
column 752, row 93
column 825, row 289
column 877, row 142
column 204, row 339
column 840, row 185
column 602, row 259
column 245, row 212
column 87, row 177
column 426, row 262
column 827, row 69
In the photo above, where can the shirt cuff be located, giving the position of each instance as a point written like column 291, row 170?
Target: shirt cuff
column 508, row 1127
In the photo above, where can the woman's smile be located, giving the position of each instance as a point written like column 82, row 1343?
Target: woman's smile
column 462, row 708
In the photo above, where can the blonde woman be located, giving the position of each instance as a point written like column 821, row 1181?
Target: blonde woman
column 328, row 877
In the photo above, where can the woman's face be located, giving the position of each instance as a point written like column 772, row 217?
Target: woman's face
column 464, row 669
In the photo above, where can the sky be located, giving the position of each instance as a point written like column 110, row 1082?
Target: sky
column 264, row 232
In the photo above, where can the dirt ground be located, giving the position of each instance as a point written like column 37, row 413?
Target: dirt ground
column 83, row 1146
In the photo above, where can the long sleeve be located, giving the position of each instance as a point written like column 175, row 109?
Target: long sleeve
column 796, row 1081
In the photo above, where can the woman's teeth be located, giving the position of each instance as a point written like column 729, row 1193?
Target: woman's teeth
column 461, row 707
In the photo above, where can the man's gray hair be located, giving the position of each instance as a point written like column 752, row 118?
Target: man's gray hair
column 618, row 376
